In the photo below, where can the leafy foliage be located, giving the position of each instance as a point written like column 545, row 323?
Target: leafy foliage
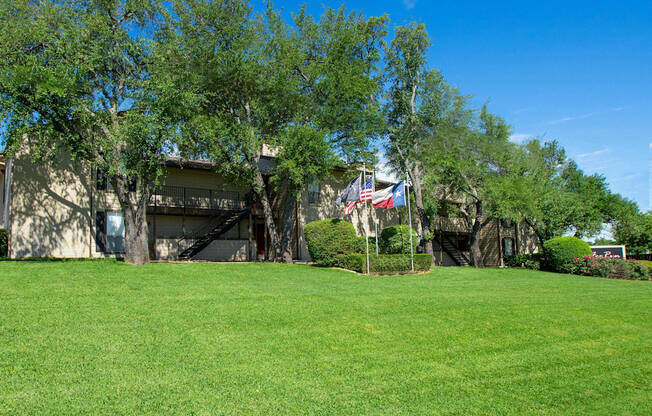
column 395, row 239
column 635, row 232
column 526, row 261
column 609, row 267
column 4, row 241
column 557, row 252
column 328, row 238
column 351, row 261
column 81, row 78
column 397, row 263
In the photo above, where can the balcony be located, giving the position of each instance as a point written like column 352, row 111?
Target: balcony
column 175, row 200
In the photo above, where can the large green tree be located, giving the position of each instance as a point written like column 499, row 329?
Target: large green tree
column 76, row 78
column 306, row 91
column 466, row 168
column 421, row 111
column 553, row 196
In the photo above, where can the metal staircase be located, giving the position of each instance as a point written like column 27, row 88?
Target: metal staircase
column 225, row 223
column 454, row 252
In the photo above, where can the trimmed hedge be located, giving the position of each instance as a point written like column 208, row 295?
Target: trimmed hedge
column 384, row 263
column 397, row 263
column 4, row 241
column 361, row 245
column 351, row 261
column 328, row 238
column 558, row 252
column 395, row 239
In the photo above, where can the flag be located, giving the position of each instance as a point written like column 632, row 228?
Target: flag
column 364, row 194
column 351, row 192
column 390, row 197
column 367, row 190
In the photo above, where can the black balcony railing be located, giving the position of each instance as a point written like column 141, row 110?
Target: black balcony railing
column 197, row 198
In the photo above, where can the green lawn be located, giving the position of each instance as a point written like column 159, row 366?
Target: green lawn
column 207, row 339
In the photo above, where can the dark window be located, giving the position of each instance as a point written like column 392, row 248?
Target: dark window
column 100, row 232
column 109, row 232
column 100, row 180
column 131, row 183
column 506, row 223
column 508, row 246
column 313, row 193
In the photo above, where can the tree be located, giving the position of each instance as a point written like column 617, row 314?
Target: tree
column 553, row 196
column 75, row 77
column 305, row 92
column 635, row 232
column 420, row 111
column 467, row 167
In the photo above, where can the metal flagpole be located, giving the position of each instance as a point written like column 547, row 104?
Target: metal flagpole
column 366, row 233
column 407, row 195
column 375, row 217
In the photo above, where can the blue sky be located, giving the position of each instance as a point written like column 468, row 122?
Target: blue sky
column 578, row 72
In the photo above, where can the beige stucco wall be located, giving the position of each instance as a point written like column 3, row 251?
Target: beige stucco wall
column 49, row 208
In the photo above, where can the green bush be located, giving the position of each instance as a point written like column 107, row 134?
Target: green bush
column 361, row 245
column 397, row 263
column 609, row 267
column 328, row 238
column 559, row 252
column 4, row 243
column 396, row 239
column 351, row 261
column 526, row 261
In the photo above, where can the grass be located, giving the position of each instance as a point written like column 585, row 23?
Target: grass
column 210, row 339
column 647, row 263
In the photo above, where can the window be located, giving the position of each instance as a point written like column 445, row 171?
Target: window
column 508, row 246
column 313, row 193
column 102, row 182
column 506, row 223
column 110, row 232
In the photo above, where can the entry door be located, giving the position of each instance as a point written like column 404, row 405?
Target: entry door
column 260, row 240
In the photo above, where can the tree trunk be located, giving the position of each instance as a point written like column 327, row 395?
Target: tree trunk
column 289, row 204
column 476, row 228
column 261, row 194
column 423, row 218
column 134, row 210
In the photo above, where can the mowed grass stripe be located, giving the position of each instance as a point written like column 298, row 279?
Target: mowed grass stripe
column 106, row 337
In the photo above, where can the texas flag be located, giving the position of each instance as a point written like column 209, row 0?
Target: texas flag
column 390, row 197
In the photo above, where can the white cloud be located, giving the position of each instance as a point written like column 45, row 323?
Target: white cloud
column 409, row 4
column 628, row 177
column 519, row 137
column 593, row 154
column 650, row 145
column 587, row 115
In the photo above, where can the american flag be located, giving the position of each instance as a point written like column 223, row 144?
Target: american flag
column 365, row 195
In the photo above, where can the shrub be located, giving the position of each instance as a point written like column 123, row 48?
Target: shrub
column 526, row 261
column 351, row 261
column 559, row 252
column 396, row 239
column 4, row 241
column 397, row 263
column 361, row 245
column 609, row 267
column 328, row 238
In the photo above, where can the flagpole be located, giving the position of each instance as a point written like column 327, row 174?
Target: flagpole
column 407, row 195
column 375, row 217
column 366, row 233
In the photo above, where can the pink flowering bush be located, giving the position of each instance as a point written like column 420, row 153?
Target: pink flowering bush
column 611, row 267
